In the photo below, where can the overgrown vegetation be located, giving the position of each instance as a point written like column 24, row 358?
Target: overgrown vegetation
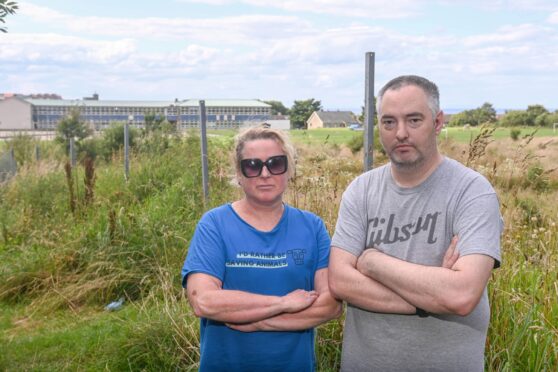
column 58, row 268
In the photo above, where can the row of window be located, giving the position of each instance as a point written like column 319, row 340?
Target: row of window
column 103, row 124
column 103, row 110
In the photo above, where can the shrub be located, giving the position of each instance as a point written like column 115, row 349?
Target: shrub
column 537, row 178
column 113, row 139
column 24, row 148
column 356, row 143
column 514, row 134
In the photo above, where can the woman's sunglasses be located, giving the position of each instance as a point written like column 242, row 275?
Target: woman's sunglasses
column 253, row 167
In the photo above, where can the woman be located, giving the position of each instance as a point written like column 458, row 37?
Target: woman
column 256, row 270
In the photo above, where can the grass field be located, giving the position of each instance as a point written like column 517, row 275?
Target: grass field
column 59, row 268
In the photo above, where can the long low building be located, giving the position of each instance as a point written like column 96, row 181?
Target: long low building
column 18, row 113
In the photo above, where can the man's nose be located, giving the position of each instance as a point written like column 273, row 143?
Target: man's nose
column 401, row 131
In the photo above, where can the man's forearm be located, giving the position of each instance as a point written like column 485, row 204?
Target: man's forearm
column 348, row 284
column 368, row 294
column 435, row 289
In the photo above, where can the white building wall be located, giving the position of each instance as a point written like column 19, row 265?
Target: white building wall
column 279, row 124
column 15, row 114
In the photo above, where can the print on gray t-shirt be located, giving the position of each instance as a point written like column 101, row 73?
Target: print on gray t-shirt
column 417, row 224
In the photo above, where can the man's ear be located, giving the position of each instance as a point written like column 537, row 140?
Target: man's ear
column 439, row 122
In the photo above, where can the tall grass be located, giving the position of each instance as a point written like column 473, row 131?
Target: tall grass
column 131, row 238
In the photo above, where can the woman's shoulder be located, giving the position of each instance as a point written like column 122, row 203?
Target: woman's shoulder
column 222, row 211
column 302, row 214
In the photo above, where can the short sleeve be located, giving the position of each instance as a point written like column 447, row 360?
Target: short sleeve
column 324, row 244
column 351, row 227
column 479, row 226
column 206, row 253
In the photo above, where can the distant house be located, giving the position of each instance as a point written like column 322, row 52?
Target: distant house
column 283, row 124
column 331, row 119
column 16, row 114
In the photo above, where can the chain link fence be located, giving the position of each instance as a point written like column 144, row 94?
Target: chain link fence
column 8, row 166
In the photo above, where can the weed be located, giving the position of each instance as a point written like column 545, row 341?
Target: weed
column 130, row 239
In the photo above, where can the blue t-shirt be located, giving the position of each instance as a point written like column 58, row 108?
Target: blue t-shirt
column 268, row 263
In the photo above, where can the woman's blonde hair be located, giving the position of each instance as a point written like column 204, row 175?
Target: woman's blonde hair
column 259, row 133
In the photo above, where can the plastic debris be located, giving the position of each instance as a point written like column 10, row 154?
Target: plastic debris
column 115, row 305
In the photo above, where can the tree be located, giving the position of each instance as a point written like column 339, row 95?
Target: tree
column 153, row 122
column 71, row 126
column 546, row 119
column 486, row 114
column 481, row 115
column 7, row 7
column 277, row 108
column 533, row 112
column 113, row 139
column 462, row 118
column 514, row 118
column 301, row 111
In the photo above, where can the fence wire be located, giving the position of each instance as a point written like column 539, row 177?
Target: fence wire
column 8, row 166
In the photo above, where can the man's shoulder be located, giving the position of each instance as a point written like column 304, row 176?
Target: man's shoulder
column 371, row 175
column 457, row 168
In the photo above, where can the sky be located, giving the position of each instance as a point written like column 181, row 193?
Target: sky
column 504, row 52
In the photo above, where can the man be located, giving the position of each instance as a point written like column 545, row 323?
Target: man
column 414, row 246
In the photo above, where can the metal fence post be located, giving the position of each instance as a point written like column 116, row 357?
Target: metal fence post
column 126, row 147
column 72, row 152
column 205, row 178
column 13, row 160
column 369, row 112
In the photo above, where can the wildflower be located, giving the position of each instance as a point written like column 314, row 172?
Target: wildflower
column 542, row 229
column 534, row 236
column 534, row 219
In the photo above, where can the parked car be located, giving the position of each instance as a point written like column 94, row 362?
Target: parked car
column 356, row 127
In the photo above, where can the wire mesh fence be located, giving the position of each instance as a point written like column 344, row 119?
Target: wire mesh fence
column 8, row 166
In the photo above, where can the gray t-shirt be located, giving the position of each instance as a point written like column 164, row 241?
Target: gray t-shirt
column 416, row 225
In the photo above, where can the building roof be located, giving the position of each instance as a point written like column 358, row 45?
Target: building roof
column 114, row 103
column 336, row 117
column 94, row 103
column 224, row 103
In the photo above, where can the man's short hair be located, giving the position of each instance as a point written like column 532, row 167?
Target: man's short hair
column 428, row 87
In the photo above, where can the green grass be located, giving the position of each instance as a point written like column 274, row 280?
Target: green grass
column 58, row 269
column 63, row 340
column 465, row 135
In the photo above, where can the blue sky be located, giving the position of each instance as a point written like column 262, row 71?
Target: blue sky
column 503, row 51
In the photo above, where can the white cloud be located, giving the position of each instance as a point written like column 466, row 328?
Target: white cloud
column 553, row 18
column 244, row 28
column 506, row 35
column 267, row 56
column 504, row 4
column 373, row 9
column 22, row 48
